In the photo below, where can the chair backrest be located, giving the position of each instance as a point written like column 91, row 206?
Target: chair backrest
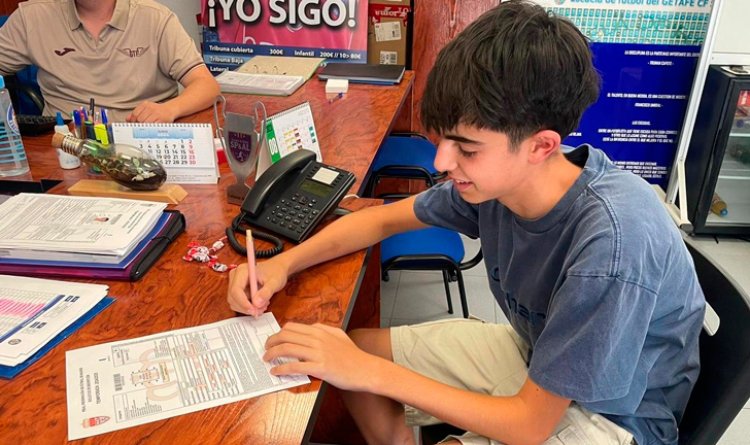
column 24, row 89
column 723, row 386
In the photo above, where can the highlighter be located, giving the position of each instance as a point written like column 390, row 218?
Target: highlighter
column 100, row 131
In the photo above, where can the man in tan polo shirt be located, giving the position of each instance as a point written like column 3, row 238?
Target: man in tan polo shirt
column 128, row 55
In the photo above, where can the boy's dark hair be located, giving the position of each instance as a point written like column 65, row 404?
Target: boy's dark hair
column 515, row 70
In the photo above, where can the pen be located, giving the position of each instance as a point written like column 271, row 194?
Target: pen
column 91, row 108
column 252, row 278
column 107, row 125
column 77, row 123
column 89, row 129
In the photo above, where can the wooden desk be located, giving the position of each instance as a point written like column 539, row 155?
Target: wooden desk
column 176, row 294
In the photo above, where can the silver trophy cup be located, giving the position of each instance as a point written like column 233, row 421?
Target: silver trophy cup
column 245, row 136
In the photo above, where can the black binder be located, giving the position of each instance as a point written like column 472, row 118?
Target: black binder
column 363, row 73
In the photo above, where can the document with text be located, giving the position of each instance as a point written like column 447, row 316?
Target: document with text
column 74, row 228
column 33, row 311
column 131, row 382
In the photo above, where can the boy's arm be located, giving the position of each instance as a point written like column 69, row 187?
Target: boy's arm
column 528, row 417
column 200, row 92
column 347, row 234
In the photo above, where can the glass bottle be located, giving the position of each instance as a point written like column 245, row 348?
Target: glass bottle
column 12, row 154
column 67, row 161
column 125, row 164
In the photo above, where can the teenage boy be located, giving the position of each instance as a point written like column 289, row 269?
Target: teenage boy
column 602, row 297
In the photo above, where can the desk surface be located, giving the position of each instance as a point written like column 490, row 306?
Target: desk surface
column 176, row 294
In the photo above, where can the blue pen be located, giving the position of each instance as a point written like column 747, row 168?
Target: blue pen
column 78, row 123
column 107, row 125
column 84, row 114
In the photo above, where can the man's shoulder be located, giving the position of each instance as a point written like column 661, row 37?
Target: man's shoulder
column 150, row 7
column 40, row 6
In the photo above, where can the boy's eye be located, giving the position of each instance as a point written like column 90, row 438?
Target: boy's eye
column 464, row 153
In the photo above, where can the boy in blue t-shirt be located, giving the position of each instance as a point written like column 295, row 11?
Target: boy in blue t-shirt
column 602, row 297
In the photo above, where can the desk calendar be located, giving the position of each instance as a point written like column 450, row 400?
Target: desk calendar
column 185, row 150
column 288, row 131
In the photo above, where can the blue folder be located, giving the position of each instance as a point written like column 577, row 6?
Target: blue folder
column 8, row 372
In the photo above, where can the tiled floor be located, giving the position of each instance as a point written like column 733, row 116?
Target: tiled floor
column 412, row 297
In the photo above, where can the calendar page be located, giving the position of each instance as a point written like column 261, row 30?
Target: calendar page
column 185, row 150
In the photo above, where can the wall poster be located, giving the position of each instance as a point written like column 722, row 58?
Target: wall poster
column 236, row 30
column 646, row 52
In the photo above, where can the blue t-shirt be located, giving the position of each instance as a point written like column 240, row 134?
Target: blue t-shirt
column 602, row 288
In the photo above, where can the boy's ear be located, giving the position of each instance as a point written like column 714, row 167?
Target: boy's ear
column 544, row 143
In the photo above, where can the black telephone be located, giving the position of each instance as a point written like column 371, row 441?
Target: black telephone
column 291, row 198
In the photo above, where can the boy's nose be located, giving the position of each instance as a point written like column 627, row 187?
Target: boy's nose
column 445, row 158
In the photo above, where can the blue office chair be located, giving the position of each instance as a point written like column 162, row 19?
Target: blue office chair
column 24, row 89
column 433, row 248
column 723, row 386
column 406, row 156
column 411, row 156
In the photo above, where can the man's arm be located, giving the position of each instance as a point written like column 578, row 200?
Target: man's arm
column 13, row 49
column 526, row 418
column 347, row 234
column 200, row 92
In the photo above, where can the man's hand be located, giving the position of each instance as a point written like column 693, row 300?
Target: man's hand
column 148, row 111
column 271, row 276
column 324, row 352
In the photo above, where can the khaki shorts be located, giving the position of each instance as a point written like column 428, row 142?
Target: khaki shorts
column 489, row 359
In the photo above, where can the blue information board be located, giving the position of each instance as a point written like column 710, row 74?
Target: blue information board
column 646, row 52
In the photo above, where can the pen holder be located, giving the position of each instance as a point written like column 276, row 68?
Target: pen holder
column 124, row 164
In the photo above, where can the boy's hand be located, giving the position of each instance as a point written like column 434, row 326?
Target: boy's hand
column 148, row 111
column 324, row 352
column 271, row 278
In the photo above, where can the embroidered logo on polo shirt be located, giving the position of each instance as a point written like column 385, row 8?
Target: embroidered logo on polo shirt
column 137, row 52
column 62, row 52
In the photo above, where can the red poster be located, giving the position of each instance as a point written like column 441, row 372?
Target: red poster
column 236, row 30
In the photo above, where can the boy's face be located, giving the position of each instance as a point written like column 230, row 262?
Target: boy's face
column 481, row 164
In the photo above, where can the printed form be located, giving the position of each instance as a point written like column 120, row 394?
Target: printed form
column 131, row 382
column 33, row 311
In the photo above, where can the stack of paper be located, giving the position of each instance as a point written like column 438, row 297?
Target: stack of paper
column 67, row 228
column 34, row 311
column 262, row 84
column 281, row 65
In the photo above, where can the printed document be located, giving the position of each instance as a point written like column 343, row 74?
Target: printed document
column 73, row 228
column 126, row 383
column 33, row 311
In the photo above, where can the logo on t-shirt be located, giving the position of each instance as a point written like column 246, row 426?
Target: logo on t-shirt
column 62, row 52
column 137, row 52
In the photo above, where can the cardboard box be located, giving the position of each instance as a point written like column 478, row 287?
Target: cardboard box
column 387, row 28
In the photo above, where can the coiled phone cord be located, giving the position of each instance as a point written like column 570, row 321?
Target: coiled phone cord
column 239, row 248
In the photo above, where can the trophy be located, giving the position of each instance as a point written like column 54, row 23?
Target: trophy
column 245, row 136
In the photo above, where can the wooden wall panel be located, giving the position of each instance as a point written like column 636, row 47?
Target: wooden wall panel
column 435, row 24
column 8, row 6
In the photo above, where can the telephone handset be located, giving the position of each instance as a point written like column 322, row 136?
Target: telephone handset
column 292, row 197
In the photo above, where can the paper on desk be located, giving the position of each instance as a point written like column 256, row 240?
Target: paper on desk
column 35, row 222
column 33, row 311
column 127, row 383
